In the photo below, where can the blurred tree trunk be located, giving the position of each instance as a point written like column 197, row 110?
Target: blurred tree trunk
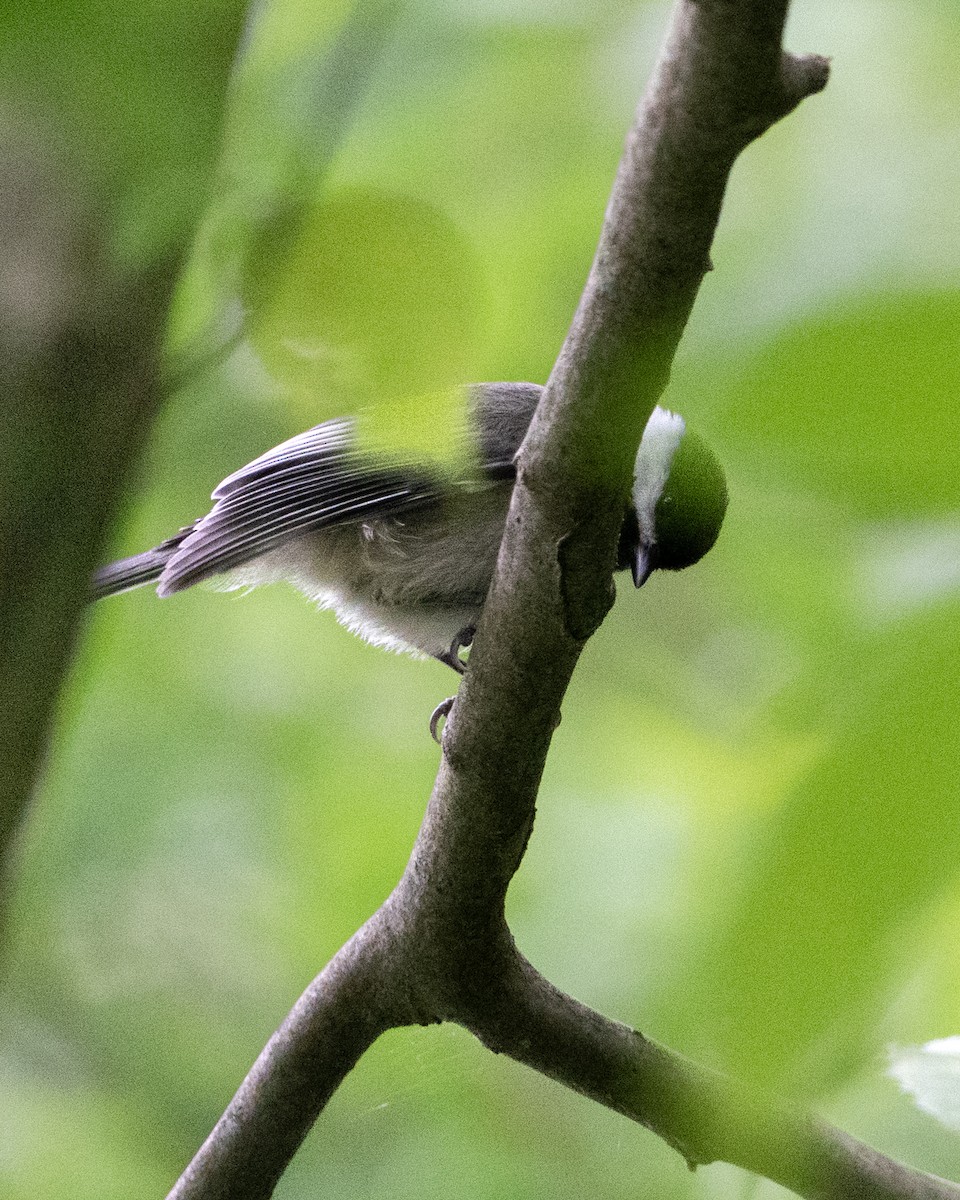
column 90, row 245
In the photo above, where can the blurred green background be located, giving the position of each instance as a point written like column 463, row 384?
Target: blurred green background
column 748, row 835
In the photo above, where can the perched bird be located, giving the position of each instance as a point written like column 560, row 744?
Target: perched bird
column 403, row 555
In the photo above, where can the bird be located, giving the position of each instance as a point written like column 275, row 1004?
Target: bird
column 405, row 554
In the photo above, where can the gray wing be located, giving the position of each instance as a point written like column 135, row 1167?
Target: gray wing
column 314, row 480
column 319, row 478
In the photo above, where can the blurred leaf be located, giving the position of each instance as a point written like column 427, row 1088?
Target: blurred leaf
column 99, row 1154
column 931, row 1075
column 796, row 977
column 296, row 89
column 305, row 71
column 374, row 303
column 131, row 95
column 861, row 406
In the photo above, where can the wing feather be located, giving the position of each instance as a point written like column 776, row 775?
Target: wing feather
column 331, row 441
column 312, row 481
column 319, row 479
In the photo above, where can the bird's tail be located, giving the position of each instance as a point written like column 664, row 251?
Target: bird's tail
column 129, row 573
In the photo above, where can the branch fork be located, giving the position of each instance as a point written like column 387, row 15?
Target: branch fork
column 439, row 949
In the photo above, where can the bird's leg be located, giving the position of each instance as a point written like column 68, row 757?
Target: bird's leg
column 452, row 658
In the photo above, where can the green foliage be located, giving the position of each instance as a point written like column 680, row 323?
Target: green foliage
column 131, row 95
column 746, row 840
column 371, row 304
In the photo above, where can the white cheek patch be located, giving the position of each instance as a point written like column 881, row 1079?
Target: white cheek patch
column 659, row 444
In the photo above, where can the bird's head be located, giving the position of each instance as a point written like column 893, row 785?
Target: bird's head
column 679, row 499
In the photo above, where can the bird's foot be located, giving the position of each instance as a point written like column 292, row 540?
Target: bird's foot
column 452, row 656
column 440, row 713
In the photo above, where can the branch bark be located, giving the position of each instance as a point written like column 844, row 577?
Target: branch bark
column 439, row 948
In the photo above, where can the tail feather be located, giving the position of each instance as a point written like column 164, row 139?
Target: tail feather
column 134, row 572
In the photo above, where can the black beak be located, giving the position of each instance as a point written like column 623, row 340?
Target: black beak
column 643, row 564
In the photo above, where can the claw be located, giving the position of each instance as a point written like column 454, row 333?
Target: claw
column 452, row 656
column 439, row 714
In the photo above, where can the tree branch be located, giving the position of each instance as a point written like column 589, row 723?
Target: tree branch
column 439, row 948
column 705, row 1115
column 383, row 979
column 721, row 80
column 336, row 1019
column 79, row 380
column 80, row 348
